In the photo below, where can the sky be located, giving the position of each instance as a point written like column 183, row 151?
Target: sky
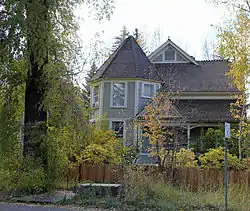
column 188, row 23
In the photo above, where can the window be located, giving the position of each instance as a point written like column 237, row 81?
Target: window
column 118, row 128
column 159, row 58
column 148, row 90
column 157, row 87
column 119, row 95
column 145, row 140
column 95, row 98
column 179, row 57
column 170, row 54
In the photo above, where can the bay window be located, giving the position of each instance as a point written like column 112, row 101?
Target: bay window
column 149, row 89
column 95, row 96
column 118, row 92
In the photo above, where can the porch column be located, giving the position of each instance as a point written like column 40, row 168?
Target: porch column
column 188, row 136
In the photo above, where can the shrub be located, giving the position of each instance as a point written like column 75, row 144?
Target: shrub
column 32, row 178
column 185, row 158
column 214, row 158
column 212, row 138
column 104, row 147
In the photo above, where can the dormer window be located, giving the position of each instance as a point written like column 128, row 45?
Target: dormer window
column 169, row 54
column 159, row 58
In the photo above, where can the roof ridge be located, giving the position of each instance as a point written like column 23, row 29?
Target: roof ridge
column 212, row 60
column 144, row 54
column 133, row 51
column 109, row 60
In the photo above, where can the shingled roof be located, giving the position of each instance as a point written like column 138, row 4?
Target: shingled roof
column 208, row 76
column 206, row 110
column 128, row 61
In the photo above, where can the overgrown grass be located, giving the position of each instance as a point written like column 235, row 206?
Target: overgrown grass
column 167, row 197
column 144, row 192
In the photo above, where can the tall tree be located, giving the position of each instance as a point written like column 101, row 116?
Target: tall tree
column 140, row 38
column 119, row 39
column 207, row 51
column 42, row 33
column 88, row 78
column 234, row 45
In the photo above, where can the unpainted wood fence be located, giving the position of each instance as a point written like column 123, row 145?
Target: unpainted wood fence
column 190, row 177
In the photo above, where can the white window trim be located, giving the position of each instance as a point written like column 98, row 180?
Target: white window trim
column 169, row 42
column 92, row 100
column 136, row 107
column 124, row 127
column 101, row 98
column 142, row 93
column 170, row 61
column 125, row 96
column 164, row 60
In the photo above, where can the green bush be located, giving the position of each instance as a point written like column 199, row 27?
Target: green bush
column 186, row 158
column 214, row 158
column 32, row 178
column 212, row 138
column 103, row 147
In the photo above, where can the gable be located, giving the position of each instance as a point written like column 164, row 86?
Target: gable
column 171, row 113
column 169, row 55
column 169, row 52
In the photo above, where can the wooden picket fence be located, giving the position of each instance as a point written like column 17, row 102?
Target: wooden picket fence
column 190, row 177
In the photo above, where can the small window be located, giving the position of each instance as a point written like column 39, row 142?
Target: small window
column 159, row 58
column 157, row 87
column 96, row 96
column 179, row 57
column 118, row 128
column 145, row 140
column 170, row 54
column 148, row 90
column 118, row 94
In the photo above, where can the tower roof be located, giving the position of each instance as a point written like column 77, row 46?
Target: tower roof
column 128, row 61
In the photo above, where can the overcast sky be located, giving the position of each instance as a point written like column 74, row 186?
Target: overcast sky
column 187, row 22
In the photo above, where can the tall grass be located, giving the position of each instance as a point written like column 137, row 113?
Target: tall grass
column 149, row 191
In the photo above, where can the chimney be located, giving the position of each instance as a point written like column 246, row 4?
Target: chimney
column 136, row 34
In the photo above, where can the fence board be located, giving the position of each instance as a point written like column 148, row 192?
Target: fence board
column 190, row 177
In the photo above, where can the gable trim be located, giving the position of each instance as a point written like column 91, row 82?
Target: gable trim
column 175, row 111
column 176, row 47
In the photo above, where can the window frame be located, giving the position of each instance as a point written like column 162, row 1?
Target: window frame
column 155, row 89
column 124, row 127
column 162, row 53
column 112, row 94
column 95, row 104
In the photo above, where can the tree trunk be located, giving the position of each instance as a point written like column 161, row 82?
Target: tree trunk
column 35, row 116
column 34, row 113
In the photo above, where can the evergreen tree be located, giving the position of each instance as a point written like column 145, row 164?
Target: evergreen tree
column 141, row 40
column 88, row 78
column 119, row 39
